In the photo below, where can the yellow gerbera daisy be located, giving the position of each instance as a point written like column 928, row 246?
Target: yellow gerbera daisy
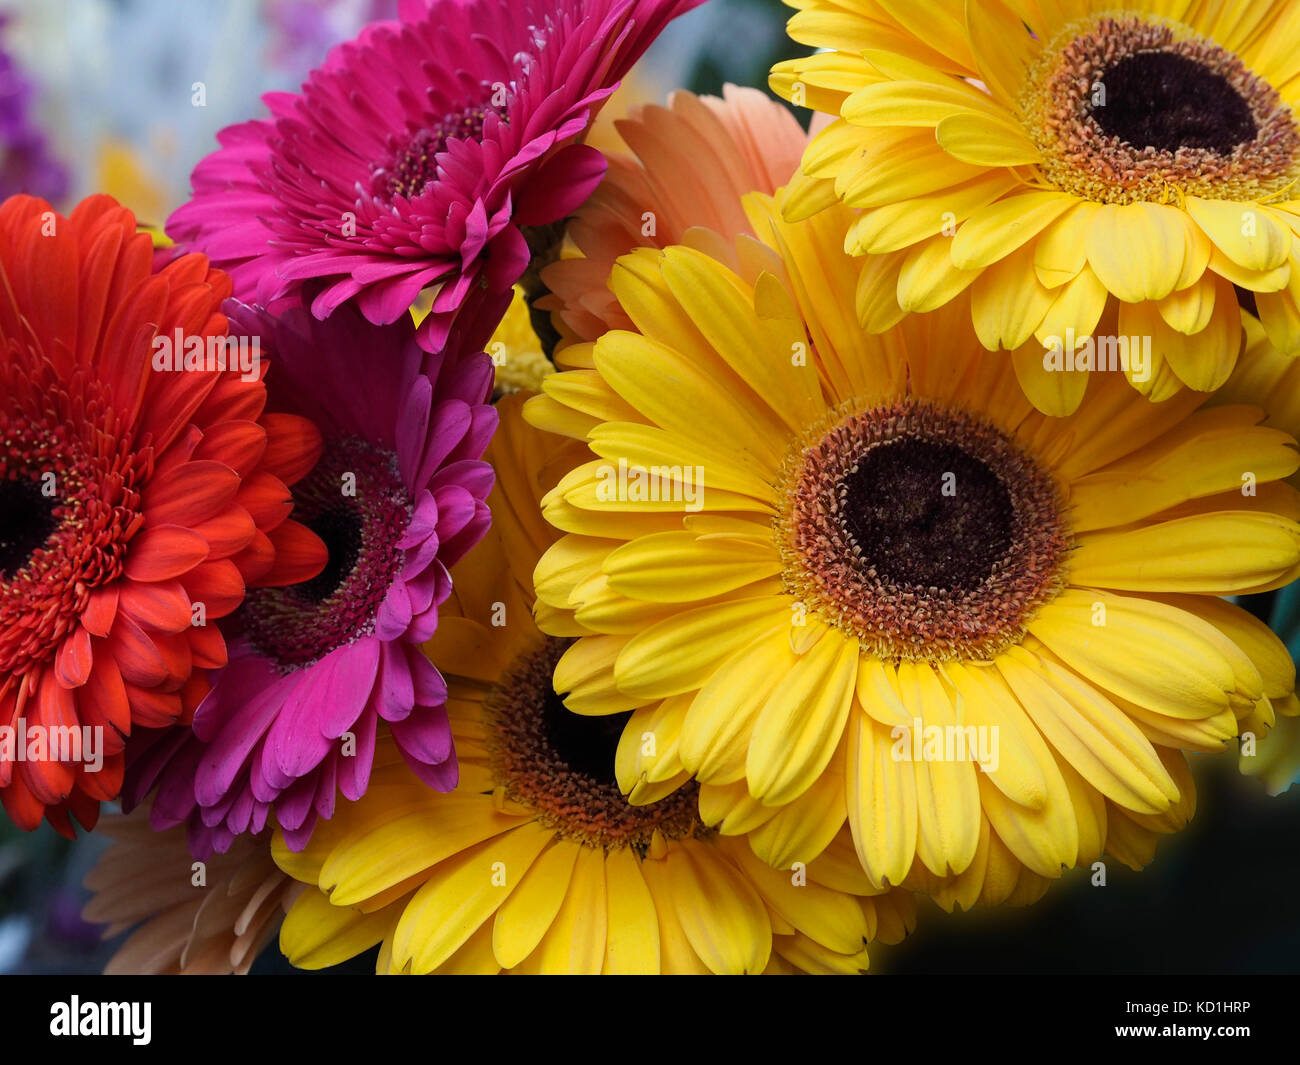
column 821, row 548
column 1047, row 158
column 536, row 863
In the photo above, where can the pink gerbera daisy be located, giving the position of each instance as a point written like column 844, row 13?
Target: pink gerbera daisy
column 424, row 154
column 398, row 496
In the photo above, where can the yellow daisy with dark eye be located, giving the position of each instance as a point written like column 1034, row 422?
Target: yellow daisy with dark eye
column 803, row 552
column 1066, row 170
column 537, row 862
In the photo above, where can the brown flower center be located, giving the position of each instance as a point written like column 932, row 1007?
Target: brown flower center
column 562, row 764
column 1129, row 108
column 924, row 532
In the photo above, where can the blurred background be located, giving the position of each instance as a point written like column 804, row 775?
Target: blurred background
column 101, row 96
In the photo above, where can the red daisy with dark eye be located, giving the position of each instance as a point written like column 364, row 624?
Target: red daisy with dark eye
column 142, row 491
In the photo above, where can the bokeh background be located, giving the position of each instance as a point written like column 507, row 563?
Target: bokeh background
column 99, row 95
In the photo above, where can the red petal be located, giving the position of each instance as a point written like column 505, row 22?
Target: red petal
column 151, row 708
column 164, row 552
column 207, row 647
column 175, row 651
column 102, row 703
column 217, row 585
column 161, row 606
column 74, row 659
column 101, row 610
column 139, row 660
column 267, row 499
column 105, row 784
column 190, row 493
column 299, row 555
column 256, row 559
column 293, row 444
column 24, row 809
column 240, row 445
column 228, row 532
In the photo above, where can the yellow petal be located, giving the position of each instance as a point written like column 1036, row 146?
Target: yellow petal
column 827, row 917
column 947, row 796
column 802, row 721
column 913, row 103
column 1090, row 732
column 756, row 351
column 527, row 914
column 881, row 798
column 1218, row 553
column 1143, row 651
column 676, row 567
column 632, row 940
column 802, row 830
column 316, row 934
column 1008, row 302
column 718, row 728
column 681, row 652
column 1137, row 249
column 985, row 141
column 721, row 914
column 995, row 231
column 927, row 278
column 1052, row 390
column 461, row 894
column 1248, row 234
column 575, row 942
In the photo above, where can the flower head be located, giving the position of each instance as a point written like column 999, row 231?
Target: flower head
column 419, row 156
column 397, row 496
column 145, row 882
column 142, row 491
column 684, row 169
column 824, row 551
column 537, row 863
column 1064, row 171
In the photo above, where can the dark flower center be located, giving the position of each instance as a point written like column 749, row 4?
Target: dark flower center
column 341, row 531
column 1130, row 108
column 924, row 532
column 27, row 520
column 1168, row 101
column 562, row 764
column 927, row 514
column 356, row 502
column 585, row 744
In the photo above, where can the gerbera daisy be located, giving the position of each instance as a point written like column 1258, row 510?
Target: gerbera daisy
column 210, row 918
column 138, row 498
column 424, row 154
column 819, row 546
column 1045, row 158
column 688, row 166
column 397, row 496
column 537, row 863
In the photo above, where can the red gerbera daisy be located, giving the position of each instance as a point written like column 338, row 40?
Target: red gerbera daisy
column 137, row 501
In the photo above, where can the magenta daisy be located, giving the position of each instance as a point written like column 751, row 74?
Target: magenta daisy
column 398, row 496
column 430, row 152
